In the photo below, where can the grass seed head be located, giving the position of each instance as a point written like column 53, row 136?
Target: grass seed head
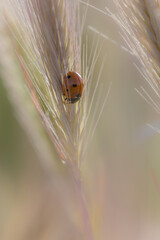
column 140, row 21
column 47, row 36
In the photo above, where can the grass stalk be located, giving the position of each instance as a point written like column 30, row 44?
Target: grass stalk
column 47, row 38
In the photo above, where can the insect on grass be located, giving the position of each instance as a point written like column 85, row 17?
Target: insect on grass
column 59, row 72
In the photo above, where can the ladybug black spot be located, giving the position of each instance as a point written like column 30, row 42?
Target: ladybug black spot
column 68, row 76
column 74, row 85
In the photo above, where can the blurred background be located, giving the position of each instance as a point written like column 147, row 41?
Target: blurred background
column 121, row 172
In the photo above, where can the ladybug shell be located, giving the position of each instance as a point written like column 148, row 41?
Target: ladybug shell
column 72, row 87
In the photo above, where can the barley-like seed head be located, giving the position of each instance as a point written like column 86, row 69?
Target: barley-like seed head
column 47, row 37
column 140, row 23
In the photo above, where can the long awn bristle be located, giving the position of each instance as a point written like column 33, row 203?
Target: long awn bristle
column 139, row 21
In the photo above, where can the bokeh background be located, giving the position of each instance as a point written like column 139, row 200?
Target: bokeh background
column 121, row 172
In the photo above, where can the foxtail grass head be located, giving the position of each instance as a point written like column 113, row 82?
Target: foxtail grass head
column 47, row 37
column 140, row 21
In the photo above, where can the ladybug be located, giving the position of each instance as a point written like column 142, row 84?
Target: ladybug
column 72, row 87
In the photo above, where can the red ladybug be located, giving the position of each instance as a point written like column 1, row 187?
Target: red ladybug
column 72, row 87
